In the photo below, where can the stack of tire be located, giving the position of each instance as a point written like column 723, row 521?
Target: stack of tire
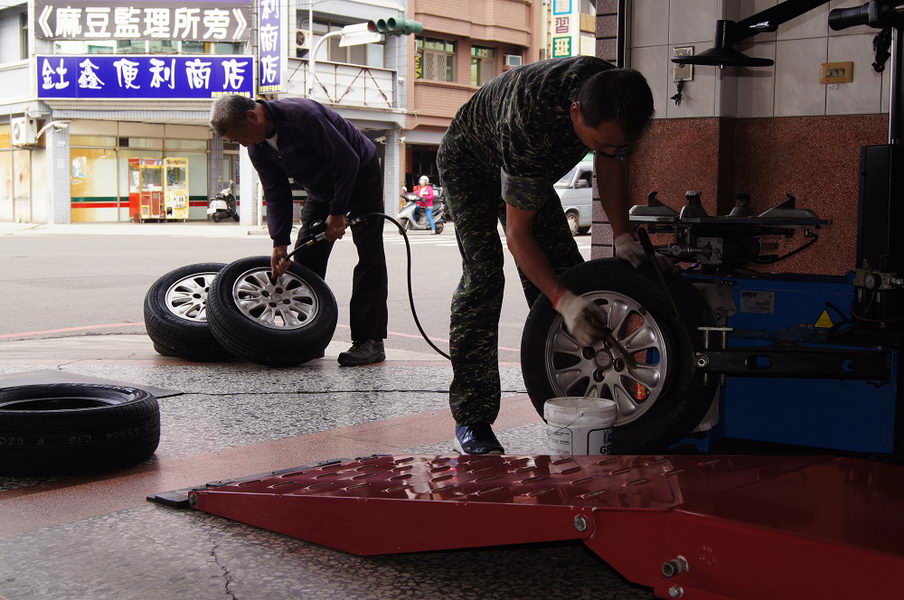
column 212, row 311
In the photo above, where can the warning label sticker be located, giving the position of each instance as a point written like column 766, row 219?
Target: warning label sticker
column 824, row 320
column 757, row 302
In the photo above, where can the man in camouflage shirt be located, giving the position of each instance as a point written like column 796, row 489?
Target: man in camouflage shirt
column 499, row 159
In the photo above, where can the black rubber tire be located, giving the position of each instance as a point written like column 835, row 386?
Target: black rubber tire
column 684, row 399
column 253, row 341
column 439, row 227
column 68, row 428
column 173, row 335
column 572, row 218
column 405, row 223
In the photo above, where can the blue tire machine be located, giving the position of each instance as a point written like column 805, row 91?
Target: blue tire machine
column 805, row 360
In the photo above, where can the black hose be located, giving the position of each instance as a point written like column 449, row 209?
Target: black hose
column 316, row 238
column 408, row 277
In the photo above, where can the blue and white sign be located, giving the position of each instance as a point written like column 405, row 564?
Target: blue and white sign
column 201, row 20
column 270, row 47
column 133, row 77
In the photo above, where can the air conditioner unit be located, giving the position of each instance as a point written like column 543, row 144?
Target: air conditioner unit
column 512, row 60
column 22, row 131
column 301, row 39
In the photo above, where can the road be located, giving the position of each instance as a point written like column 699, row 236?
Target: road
column 64, row 285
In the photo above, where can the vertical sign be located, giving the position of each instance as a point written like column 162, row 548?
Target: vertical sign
column 270, row 39
column 565, row 28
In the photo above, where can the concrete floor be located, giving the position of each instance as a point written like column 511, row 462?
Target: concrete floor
column 97, row 537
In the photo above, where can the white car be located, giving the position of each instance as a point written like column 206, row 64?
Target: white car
column 575, row 191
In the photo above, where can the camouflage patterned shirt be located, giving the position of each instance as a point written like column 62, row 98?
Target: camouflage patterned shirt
column 518, row 128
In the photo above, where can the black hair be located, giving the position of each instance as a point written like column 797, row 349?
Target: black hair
column 230, row 112
column 620, row 95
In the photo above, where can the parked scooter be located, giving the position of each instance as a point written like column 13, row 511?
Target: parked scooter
column 222, row 206
column 412, row 216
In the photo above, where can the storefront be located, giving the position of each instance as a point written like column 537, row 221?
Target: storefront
column 101, row 179
column 15, row 180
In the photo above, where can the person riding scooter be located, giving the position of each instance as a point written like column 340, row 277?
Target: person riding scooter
column 425, row 195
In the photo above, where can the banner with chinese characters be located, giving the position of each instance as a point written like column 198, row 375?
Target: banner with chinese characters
column 270, row 38
column 134, row 77
column 565, row 28
column 196, row 20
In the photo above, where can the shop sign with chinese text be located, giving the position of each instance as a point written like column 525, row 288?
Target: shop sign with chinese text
column 196, row 20
column 270, row 49
column 135, row 77
column 565, row 28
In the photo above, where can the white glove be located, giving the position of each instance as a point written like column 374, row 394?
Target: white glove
column 629, row 249
column 585, row 320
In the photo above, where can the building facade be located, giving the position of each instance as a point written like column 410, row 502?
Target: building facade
column 465, row 43
column 105, row 106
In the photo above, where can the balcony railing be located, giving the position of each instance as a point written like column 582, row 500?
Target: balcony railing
column 345, row 84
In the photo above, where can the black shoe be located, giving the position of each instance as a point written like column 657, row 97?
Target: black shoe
column 477, row 439
column 363, row 353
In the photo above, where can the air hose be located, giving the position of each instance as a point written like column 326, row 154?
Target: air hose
column 319, row 237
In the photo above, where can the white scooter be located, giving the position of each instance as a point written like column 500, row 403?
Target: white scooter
column 411, row 216
column 222, row 206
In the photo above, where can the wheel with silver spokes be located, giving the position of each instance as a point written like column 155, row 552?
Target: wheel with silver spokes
column 187, row 297
column 175, row 313
column 284, row 304
column 277, row 322
column 634, row 379
column 649, row 372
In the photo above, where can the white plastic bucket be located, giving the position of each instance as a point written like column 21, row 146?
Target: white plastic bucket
column 576, row 425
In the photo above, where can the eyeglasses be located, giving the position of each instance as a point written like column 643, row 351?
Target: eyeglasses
column 622, row 152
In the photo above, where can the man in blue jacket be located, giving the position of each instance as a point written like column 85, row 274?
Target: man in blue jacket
column 338, row 166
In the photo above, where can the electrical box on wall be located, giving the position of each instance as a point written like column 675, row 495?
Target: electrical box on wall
column 836, row 72
column 512, row 60
column 682, row 72
column 22, row 131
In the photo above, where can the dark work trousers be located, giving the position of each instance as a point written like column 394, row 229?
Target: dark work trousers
column 367, row 308
column 474, row 323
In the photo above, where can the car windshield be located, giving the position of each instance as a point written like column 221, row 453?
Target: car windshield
column 566, row 181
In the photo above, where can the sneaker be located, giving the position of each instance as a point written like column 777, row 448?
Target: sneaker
column 363, row 353
column 476, row 439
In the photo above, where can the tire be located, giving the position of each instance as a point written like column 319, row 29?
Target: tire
column 405, row 223
column 216, row 218
column 439, row 227
column 175, row 314
column 66, row 428
column 247, row 325
column 674, row 398
column 572, row 218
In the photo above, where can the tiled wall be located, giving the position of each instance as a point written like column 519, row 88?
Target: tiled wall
column 766, row 131
column 790, row 88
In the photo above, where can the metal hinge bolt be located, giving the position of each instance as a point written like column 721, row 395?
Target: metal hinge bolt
column 673, row 567
column 676, row 591
column 580, row 523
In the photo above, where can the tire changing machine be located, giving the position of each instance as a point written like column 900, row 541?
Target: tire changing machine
column 700, row 527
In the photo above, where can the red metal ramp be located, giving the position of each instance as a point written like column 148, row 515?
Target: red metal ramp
column 744, row 527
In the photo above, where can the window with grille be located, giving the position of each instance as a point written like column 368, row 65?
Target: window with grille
column 435, row 59
column 483, row 65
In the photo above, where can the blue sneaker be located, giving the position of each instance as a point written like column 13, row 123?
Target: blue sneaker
column 476, row 439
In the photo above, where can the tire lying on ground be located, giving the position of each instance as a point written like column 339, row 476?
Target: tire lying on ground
column 661, row 398
column 277, row 323
column 175, row 314
column 67, row 428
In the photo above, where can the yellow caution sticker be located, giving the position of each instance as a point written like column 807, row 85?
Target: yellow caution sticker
column 825, row 320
